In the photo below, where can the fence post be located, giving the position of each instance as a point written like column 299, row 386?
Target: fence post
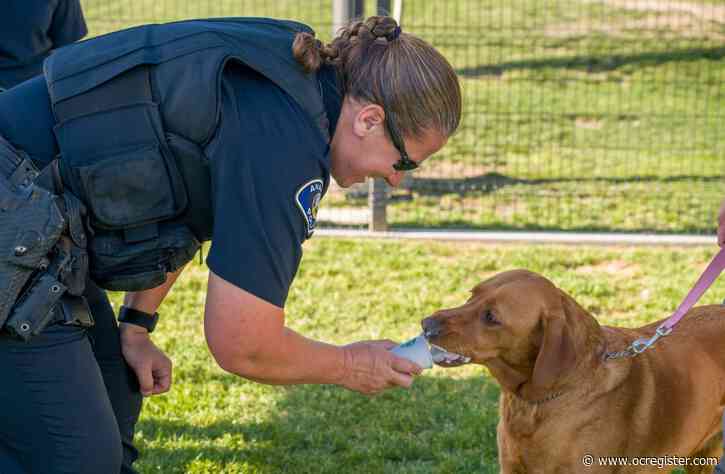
column 344, row 11
column 377, row 204
column 391, row 8
column 377, row 188
column 384, row 7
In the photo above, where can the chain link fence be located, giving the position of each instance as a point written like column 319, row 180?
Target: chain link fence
column 597, row 115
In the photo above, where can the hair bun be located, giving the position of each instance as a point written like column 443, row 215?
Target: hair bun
column 306, row 50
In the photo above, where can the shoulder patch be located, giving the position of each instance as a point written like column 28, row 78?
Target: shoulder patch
column 308, row 201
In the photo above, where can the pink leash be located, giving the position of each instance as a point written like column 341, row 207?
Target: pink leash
column 710, row 274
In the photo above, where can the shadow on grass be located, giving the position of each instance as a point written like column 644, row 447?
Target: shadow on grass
column 595, row 63
column 440, row 425
column 490, row 182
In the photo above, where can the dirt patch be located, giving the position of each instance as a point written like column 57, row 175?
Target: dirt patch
column 588, row 123
column 699, row 10
column 617, row 268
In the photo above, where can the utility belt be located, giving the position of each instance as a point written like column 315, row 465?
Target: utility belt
column 43, row 247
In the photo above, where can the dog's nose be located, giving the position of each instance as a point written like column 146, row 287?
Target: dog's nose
column 431, row 327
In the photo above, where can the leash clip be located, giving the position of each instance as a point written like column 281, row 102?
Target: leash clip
column 713, row 270
column 641, row 345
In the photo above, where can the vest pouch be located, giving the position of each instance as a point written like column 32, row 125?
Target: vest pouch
column 117, row 265
column 127, row 189
column 135, row 180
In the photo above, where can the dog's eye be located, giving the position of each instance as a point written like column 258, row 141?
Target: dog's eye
column 489, row 318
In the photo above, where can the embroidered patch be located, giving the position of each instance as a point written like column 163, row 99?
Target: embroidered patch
column 308, row 201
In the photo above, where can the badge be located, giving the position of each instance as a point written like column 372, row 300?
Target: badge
column 308, row 201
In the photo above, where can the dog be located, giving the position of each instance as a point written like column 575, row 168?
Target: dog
column 570, row 395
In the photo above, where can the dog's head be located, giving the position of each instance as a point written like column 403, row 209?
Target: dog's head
column 518, row 324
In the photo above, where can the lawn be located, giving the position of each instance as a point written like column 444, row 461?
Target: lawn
column 585, row 114
column 346, row 290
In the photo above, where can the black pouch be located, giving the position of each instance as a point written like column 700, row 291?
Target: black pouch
column 135, row 181
column 156, row 250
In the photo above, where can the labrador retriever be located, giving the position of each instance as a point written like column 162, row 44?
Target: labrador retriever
column 571, row 397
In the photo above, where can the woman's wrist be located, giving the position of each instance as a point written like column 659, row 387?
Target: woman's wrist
column 344, row 366
column 132, row 332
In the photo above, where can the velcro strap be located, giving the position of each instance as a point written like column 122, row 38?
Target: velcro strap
column 75, row 213
column 141, row 233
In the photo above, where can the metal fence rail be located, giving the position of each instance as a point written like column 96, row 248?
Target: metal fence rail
column 579, row 114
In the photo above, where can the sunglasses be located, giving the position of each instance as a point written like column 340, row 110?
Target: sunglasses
column 404, row 163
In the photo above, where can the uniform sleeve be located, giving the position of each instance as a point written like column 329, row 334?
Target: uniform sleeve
column 68, row 24
column 258, row 167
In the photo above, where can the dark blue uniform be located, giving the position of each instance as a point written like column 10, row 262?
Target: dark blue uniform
column 30, row 30
column 68, row 401
column 260, row 222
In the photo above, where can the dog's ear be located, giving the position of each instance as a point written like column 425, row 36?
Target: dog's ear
column 557, row 353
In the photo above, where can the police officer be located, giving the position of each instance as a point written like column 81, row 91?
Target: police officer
column 30, row 30
column 257, row 116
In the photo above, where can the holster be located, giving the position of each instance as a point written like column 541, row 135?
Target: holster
column 42, row 244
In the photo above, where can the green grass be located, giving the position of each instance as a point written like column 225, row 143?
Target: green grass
column 212, row 422
column 556, row 91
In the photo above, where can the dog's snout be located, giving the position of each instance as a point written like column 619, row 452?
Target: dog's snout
column 431, row 327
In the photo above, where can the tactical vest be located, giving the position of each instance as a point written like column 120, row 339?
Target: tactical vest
column 134, row 110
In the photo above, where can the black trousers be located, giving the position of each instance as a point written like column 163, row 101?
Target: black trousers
column 69, row 403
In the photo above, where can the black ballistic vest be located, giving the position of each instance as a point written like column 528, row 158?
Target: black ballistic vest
column 134, row 110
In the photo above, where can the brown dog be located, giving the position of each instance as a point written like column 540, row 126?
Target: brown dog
column 563, row 400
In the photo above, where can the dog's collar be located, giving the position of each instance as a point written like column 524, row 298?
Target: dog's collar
column 548, row 398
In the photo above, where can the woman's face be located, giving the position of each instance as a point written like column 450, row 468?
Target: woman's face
column 361, row 148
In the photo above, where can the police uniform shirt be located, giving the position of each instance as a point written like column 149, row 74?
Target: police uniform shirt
column 30, row 29
column 269, row 167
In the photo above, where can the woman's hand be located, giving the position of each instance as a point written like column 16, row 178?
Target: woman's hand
column 152, row 367
column 371, row 368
